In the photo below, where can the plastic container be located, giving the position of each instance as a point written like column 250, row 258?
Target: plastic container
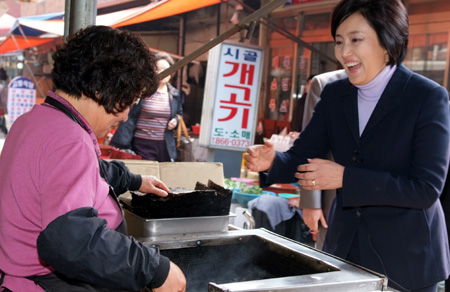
column 244, row 198
column 233, row 196
column 294, row 199
column 247, row 181
column 196, row 129
column 283, row 188
column 288, row 196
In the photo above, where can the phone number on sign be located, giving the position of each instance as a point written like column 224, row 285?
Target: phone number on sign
column 231, row 142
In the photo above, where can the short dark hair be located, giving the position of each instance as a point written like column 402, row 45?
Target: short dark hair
column 388, row 18
column 111, row 66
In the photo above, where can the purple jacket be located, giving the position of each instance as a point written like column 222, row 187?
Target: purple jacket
column 53, row 190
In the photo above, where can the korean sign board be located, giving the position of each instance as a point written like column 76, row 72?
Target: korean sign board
column 21, row 97
column 230, row 103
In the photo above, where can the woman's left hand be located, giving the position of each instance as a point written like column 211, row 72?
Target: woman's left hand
column 320, row 174
column 151, row 184
column 172, row 124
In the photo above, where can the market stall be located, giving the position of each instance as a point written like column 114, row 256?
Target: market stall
column 218, row 256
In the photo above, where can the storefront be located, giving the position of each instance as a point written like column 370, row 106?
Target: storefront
column 290, row 63
column 297, row 42
column 428, row 49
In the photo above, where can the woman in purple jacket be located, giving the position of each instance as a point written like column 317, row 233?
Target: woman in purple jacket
column 61, row 224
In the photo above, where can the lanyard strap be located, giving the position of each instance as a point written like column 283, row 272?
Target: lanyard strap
column 2, row 278
column 64, row 109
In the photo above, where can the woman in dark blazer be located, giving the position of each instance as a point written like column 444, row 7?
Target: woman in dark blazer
column 388, row 130
column 445, row 201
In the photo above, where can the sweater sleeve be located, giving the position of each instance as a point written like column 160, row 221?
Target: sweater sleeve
column 119, row 176
column 79, row 245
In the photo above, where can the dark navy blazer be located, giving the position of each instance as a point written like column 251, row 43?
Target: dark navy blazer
column 394, row 175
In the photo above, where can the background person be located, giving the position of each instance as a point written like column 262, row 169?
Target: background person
column 299, row 108
column 445, row 201
column 61, row 225
column 316, row 203
column 149, row 129
column 3, row 77
column 3, row 108
column 388, row 130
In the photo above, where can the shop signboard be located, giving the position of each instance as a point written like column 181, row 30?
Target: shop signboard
column 21, row 97
column 231, row 96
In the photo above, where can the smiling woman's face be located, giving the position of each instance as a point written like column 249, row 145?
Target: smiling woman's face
column 358, row 50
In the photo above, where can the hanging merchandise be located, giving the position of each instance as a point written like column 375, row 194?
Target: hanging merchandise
column 286, row 84
column 259, row 128
column 272, row 105
column 284, row 106
column 302, row 62
column 274, row 84
column 275, row 62
column 287, row 62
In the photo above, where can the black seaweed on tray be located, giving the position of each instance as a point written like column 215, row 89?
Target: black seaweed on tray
column 205, row 200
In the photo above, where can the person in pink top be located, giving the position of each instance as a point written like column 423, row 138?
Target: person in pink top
column 150, row 125
column 61, row 224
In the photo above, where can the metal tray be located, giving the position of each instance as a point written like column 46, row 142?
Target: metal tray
column 258, row 260
column 142, row 227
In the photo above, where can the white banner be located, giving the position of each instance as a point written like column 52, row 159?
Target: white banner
column 21, row 97
column 237, row 81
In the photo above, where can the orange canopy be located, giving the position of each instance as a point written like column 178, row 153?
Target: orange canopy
column 18, row 42
column 55, row 28
column 164, row 9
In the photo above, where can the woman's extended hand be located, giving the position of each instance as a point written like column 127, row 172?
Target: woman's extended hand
column 151, row 184
column 320, row 174
column 172, row 124
column 260, row 157
column 312, row 217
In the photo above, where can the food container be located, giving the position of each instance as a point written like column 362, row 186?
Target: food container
column 238, row 183
column 294, row 199
column 105, row 150
column 244, row 198
column 247, row 181
column 152, row 228
column 283, row 188
column 233, row 197
column 195, row 129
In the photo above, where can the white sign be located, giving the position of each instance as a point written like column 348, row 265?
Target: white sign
column 236, row 77
column 21, row 97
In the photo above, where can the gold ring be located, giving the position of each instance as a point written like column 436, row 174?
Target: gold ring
column 313, row 182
